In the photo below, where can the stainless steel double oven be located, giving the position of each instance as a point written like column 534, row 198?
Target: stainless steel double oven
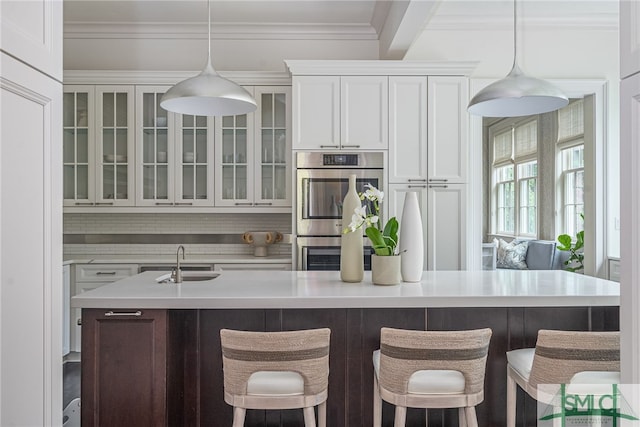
column 322, row 180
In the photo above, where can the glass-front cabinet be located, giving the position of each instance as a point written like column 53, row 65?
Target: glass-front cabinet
column 154, row 157
column 194, row 158
column 115, row 145
column 78, row 147
column 253, row 158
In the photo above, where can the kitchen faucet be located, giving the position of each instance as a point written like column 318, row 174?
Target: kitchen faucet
column 176, row 275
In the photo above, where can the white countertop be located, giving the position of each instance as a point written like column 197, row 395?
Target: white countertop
column 324, row 289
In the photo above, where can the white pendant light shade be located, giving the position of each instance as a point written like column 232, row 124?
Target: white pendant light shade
column 208, row 93
column 517, row 95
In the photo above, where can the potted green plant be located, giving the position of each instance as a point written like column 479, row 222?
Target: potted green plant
column 385, row 263
column 575, row 262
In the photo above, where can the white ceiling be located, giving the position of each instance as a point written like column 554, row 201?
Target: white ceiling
column 396, row 23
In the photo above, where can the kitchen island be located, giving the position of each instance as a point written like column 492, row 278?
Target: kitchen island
column 151, row 351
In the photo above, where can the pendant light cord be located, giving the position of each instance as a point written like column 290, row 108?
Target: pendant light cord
column 209, row 34
column 515, row 36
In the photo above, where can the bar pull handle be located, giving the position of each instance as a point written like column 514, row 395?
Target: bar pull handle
column 438, row 186
column 183, row 203
column 105, row 273
column 124, row 313
column 438, row 180
column 417, row 186
column 84, row 203
column 351, row 146
column 244, row 204
column 164, row 204
column 104, row 204
column 417, row 180
column 329, row 146
column 263, row 204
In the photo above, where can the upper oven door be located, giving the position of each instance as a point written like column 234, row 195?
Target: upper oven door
column 320, row 193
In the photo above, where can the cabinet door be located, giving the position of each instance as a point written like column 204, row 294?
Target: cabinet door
column 235, row 160
column 447, row 129
column 78, row 124
column 446, row 226
column 396, row 195
column 629, row 38
column 316, row 112
column 154, row 154
column 273, row 147
column 364, row 108
column 407, row 129
column 124, row 362
column 115, row 145
column 194, row 159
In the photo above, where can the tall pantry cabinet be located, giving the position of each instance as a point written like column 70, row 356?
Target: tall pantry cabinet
column 31, row 213
column 630, row 202
column 413, row 111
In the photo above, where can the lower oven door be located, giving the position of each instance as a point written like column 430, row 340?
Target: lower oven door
column 323, row 253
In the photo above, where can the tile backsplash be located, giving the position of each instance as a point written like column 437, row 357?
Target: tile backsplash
column 171, row 223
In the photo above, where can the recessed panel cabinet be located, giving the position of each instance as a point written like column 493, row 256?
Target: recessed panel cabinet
column 340, row 112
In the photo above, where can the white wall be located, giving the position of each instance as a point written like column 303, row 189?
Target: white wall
column 545, row 53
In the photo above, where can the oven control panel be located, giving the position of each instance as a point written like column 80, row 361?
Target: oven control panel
column 340, row 160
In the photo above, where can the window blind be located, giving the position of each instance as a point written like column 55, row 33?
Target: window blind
column 571, row 121
column 526, row 141
column 502, row 148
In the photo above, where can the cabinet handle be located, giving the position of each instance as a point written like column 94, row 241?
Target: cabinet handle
column 164, row 204
column 329, row 146
column 351, row 146
column 438, row 180
column 438, row 186
column 417, row 180
column 263, row 204
column 124, row 313
column 244, row 204
column 104, row 204
column 79, row 321
column 84, row 203
column 417, row 186
column 105, row 273
column 183, row 203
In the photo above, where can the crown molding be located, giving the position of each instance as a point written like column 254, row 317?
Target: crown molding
column 220, row 31
column 363, row 68
column 587, row 22
column 134, row 77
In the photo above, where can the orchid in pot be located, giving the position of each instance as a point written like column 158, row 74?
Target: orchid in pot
column 383, row 239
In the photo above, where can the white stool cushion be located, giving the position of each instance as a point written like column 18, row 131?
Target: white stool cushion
column 275, row 383
column 430, row 381
column 521, row 360
column 593, row 382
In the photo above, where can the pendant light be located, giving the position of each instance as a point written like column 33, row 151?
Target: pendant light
column 517, row 94
column 208, row 93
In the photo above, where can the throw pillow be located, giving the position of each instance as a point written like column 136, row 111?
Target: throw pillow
column 512, row 255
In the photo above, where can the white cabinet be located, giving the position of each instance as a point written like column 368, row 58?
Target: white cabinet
column 253, row 152
column 629, row 38
column 115, row 147
column 88, row 277
column 443, row 209
column 446, row 226
column 448, row 149
column 407, row 129
column 193, row 159
column 340, row 112
column 78, row 130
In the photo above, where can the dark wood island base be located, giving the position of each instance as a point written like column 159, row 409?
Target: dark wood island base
column 157, row 367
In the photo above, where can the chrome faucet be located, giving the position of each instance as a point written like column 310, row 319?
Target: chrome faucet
column 176, row 276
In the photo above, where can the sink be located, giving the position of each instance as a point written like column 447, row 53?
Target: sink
column 189, row 276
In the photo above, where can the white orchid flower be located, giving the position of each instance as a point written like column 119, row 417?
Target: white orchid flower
column 372, row 220
column 359, row 216
column 372, row 193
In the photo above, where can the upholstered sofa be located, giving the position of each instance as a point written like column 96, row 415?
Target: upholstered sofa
column 544, row 255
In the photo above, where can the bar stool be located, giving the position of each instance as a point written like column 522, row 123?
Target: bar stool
column 276, row 370
column 429, row 369
column 561, row 357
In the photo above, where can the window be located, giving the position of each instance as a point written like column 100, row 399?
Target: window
column 571, row 158
column 515, row 172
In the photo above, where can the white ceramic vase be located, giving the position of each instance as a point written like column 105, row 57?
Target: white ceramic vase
column 411, row 243
column 385, row 270
column 351, row 248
